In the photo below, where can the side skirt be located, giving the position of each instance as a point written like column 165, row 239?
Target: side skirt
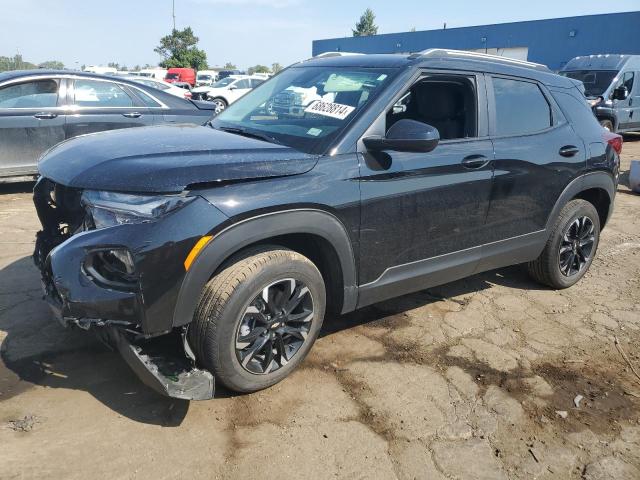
column 416, row 276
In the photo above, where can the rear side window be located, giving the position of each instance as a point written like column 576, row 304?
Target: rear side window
column 574, row 106
column 521, row 107
column 147, row 100
column 34, row 94
column 93, row 93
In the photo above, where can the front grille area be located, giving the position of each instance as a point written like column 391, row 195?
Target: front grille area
column 60, row 213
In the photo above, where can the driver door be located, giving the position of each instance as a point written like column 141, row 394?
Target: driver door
column 238, row 89
column 424, row 213
column 628, row 109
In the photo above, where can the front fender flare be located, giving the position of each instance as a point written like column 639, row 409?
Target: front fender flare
column 262, row 227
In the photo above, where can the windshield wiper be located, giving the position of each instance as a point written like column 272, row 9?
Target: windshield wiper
column 250, row 134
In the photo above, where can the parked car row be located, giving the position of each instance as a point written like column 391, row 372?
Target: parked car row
column 226, row 91
column 39, row 109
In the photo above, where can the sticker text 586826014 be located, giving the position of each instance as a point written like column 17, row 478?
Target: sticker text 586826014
column 329, row 109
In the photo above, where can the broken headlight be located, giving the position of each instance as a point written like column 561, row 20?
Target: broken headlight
column 110, row 208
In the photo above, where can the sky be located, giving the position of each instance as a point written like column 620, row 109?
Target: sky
column 244, row 32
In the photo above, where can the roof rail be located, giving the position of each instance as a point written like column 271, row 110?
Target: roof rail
column 439, row 52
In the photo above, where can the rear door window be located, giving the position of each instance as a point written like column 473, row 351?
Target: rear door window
column 100, row 94
column 520, row 107
column 33, row 94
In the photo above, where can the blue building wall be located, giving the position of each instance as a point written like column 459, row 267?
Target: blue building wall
column 551, row 42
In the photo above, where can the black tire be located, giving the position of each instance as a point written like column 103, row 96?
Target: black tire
column 548, row 267
column 223, row 309
column 607, row 125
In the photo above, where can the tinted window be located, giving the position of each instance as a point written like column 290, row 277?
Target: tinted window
column 255, row 82
column 93, row 93
column 35, row 94
column 520, row 107
column 147, row 100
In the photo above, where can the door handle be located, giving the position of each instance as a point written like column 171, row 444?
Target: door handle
column 569, row 151
column 475, row 161
column 132, row 115
column 45, row 115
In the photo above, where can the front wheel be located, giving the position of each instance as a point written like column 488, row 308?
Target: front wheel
column 219, row 104
column 258, row 318
column 571, row 247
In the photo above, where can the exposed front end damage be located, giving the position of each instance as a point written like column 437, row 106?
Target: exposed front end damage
column 122, row 282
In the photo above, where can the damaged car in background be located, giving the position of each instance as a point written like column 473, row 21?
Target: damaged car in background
column 210, row 254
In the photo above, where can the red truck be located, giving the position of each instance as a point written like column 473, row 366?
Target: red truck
column 186, row 75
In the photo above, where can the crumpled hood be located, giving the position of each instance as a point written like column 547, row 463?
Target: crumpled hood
column 167, row 158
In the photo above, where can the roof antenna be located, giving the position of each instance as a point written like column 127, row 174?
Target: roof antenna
column 173, row 12
column 445, row 26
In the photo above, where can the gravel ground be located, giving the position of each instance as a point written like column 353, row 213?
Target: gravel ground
column 474, row 379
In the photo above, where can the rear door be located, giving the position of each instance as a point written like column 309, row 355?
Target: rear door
column 97, row 105
column 31, row 121
column 537, row 153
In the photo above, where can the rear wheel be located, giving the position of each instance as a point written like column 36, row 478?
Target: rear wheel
column 258, row 318
column 571, row 246
column 607, row 125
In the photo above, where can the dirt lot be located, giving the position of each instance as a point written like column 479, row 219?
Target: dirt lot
column 474, row 379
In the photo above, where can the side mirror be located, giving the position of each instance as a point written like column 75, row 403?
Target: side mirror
column 405, row 136
column 620, row 93
column 232, row 87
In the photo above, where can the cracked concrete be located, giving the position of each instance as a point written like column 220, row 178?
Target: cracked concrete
column 461, row 381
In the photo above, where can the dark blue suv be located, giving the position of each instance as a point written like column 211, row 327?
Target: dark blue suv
column 213, row 252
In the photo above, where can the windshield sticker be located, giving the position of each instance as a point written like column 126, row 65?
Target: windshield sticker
column 314, row 131
column 381, row 77
column 329, row 109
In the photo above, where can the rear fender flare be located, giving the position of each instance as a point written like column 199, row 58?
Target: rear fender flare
column 262, row 227
column 602, row 180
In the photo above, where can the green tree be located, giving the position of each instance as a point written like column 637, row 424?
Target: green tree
column 230, row 66
column 15, row 63
column 179, row 50
column 366, row 25
column 258, row 69
column 114, row 65
column 276, row 67
column 52, row 64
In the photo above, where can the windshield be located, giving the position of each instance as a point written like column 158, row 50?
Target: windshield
column 204, row 77
column 595, row 81
column 172, row 75
column 306, row 108
column 223, row 83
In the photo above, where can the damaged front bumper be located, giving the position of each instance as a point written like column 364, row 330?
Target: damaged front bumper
column 134, row 311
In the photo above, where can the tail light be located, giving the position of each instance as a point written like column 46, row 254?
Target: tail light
column 614, row 140
column 187, row 95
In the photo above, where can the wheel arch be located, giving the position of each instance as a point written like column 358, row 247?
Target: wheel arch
column 598, row 188
column 317, row 234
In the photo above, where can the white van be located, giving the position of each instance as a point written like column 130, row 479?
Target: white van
column 157, row 73
column 100, row 70
column 206, row 77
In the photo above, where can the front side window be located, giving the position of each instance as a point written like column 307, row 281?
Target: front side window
column 627, row 81
column 446, row 102
column 305, row 107
column 244, row 83
column 521, row 107
column 94, row 93
column 33, row 94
